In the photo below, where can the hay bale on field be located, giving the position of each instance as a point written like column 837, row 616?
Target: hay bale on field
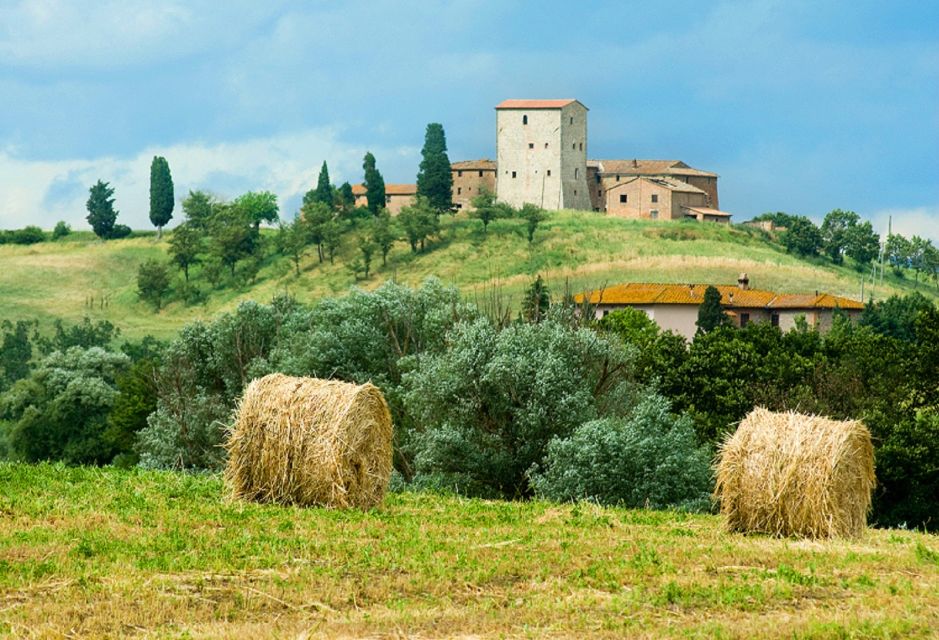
column 788, row 474
column 307, row 441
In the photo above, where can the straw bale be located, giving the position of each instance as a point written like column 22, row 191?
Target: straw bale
column 307, row 441
column 788, row 474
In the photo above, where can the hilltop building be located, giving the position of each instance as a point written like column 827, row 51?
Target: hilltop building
column 397, row 196
column 674, row 307
column 469, row 178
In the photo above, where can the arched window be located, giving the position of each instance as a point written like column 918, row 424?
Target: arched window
column 524, row 119
column 576, row 172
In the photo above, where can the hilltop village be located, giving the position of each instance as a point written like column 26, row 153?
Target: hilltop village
column 541, row 158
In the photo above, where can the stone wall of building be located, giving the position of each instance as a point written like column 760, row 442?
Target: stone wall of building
column 469, row 178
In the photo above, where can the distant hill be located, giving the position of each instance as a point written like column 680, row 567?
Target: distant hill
column 80, row 275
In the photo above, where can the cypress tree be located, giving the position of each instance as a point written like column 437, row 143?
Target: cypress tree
column 324, row 190
column 710, row 314
column 101, row 213
column 434, row 179
column 162, row 199
column 374, row 185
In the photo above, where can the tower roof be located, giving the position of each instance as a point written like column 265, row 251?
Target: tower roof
column 537, row 104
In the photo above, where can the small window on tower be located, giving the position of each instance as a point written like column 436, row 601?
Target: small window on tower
column 581, row 146
column 655, row 197
column 576, row 172
column 524, row 119
column 572, row 119
column 513, row 174
column 545, row 145
column 480, row 174
column 459, row 174
column 573, row 146
column 549, row 172
column 459, row 190
column 531, row 145
column 622, row 198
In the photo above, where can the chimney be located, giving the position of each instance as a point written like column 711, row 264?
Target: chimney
column 743, row 282
column 635, row 162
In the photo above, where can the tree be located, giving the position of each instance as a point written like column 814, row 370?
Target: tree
column 367, row 248
column 897, row 251
column 434, row 179
column 485, row 208
column 710, row 313
column 384, row 234
column 316, row 216
column 185, row 246
column 536, row 302
column 61, row 230
column 101, row 212
column 419, row 222
column 258, row 206
column 324, row 190
column 919, row 250
column 162, row 199
column 346, row 197
column 332, row 238
column 374, row 185
column 16, row 351
column 835, row 229
column 153, row 281
column 199, row 207
column 293, row 240
column 533, row 216
column 233, row 236
column 861, row 243
column 802, row 237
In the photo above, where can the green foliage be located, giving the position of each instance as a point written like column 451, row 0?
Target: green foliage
column 153, row 282
column 136, row 400
column 293, row 240
column 61, row 230
column 367, row 248
column 119, row 231
column 802, row 237
column 27, row 235
column 660, row 354
column 345, row 197
column 186, row 244
column 419, row 222
column 162, row 198
column 490, row 403
column 648, row 459
column 434, row 179
column 537, row 301
column 835, row 230
column 316, row 218
column 374, row 185
column 533, row 216
column 101, row 212
column 59, row 412
column 861, row 243
column 324, row 188
column 485, row 208
column 897, row 251
column 199, row 207
column 384, row 234
column 16, row 351
column 710, row 313
column 896, row 316
column 332, row 238
column 257, row 207
column 86, row 334
column 234, row 235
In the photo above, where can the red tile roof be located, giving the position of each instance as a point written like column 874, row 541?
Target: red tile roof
column 649, row 168
column 637, row 293
column 534, row 104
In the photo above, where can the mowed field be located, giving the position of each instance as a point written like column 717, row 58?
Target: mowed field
column 578, row 250
column 107, row 553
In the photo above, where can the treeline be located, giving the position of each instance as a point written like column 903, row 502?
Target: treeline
column 549, row 403
column 843, row 234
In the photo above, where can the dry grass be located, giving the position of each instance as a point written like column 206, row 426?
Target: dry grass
column 788, row 474
column 307, row 441
column 88, row 553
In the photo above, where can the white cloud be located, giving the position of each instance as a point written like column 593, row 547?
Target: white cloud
column 42, row 192
column 916, row 221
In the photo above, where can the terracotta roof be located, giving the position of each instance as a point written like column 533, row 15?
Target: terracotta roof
column 650, row 167
column 535, row 104
column 390, row 189
column 671, row 185
column 485, row 165
column 637, row 293
column 709, row 212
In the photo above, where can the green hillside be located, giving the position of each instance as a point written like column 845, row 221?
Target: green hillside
column 109, row 553
column 81, row 276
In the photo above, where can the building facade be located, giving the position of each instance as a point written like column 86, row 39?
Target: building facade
column 469, row 178
column 397, row 196
column 541, row 153
column 674, row 307
column 652, row 199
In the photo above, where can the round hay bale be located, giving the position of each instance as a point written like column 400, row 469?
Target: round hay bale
column 307, row 441
column 788, row 474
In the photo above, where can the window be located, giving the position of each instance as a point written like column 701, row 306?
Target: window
column 524, row 119
column 581, row 146
column 617, row 177
column 572, row 119
column 655, row 197
column 575, row 192
column 622, row 198
column 531, row 145
column 549, row 172
column 545, row 145
column 573, row 146
column 459, row 190
column 513, row 174
column 480, row 174
column 654, row 214
column 774, row 319
column 744, row 319
column 576, row 172
column 606, row 312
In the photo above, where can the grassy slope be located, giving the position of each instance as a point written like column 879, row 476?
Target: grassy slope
column 57, row 279
column 92, row 553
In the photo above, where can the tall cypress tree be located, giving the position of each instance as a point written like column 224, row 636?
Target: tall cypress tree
column 162, row 199
column 324, row 190
column 374, row 185
column 710, row 314
column 434, row 180
column 101, row 213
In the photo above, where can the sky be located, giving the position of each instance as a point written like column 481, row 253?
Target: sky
column 799, row 106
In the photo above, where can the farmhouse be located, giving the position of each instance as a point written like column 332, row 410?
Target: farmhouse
column 674, row 307
column 397, row 196
column 469, row 178
column 659, row 198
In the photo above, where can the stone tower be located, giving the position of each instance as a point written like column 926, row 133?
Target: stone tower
column 541, row 153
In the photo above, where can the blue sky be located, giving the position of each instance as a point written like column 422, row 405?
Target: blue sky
column 799, row 106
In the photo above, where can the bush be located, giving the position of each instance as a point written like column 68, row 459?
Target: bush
column 61, row 230
column 492, row 400
column 28, row 235
column 650, row 459
column 120, row 231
